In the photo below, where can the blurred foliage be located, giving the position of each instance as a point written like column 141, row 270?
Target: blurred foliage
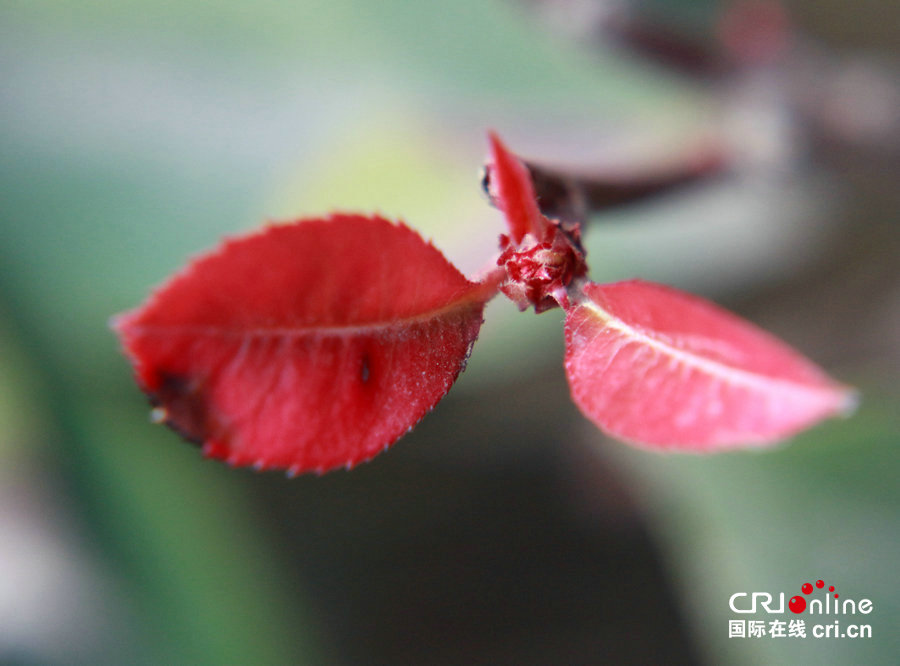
column 137, row 132
column 823, row 507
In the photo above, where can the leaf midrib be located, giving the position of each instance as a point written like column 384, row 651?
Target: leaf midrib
column 727, row 373
column 471, row 299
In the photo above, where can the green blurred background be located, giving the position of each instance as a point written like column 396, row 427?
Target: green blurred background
column 504, row 529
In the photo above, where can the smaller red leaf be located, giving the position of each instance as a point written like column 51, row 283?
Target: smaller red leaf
column 305, row 346
column 540, row 257
column 653, row 365
column 511, row 188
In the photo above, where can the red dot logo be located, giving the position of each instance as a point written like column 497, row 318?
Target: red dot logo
column 797, row 604
column 820, row 584
column 807, row 588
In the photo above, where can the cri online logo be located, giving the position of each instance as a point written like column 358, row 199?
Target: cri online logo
column 798, row 604
column 747, row 602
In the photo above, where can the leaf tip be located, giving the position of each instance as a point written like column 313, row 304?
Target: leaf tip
column 498, row 148
column 851, row 397
column 119, row 323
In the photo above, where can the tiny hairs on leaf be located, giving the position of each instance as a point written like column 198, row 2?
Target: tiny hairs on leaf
column 653, row 365
column 305, row 346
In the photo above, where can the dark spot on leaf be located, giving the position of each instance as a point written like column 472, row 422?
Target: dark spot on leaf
column 184, row 407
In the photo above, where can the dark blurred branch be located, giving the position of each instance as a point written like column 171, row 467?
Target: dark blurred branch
column 836, row 100
column 573, row 196
column 746, row 32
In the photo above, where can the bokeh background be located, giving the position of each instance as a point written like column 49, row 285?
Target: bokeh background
column 505, row 529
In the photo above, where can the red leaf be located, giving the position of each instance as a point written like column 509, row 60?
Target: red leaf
column 540, row 257
column 654, row 365
column 305, row 346
column 511, row 188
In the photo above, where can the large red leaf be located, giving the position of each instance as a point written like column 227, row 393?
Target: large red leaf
column 654, row 365
column 305, row 346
